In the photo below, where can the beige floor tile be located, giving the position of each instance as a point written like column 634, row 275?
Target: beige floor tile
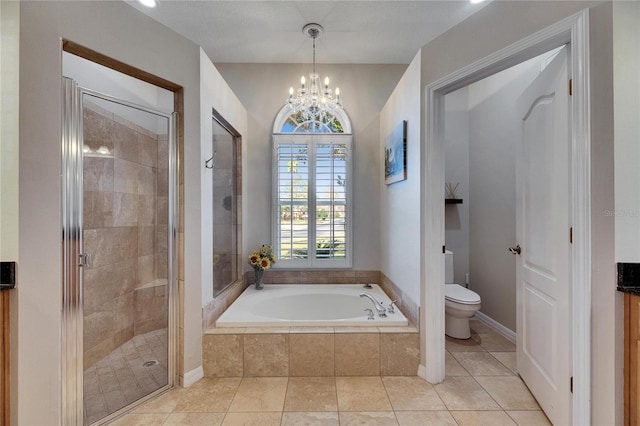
column 361, row 394
column 480, row 327
column 509, row 392
column 529, row 418
column 164, row 403
column 464, row 393
column 460, row 345
column 453, row 367
column 194, row 419
column 259, row 394
column 311, row 394
column 375, row 418
column 481, row 364
column 482, row 418
column 252, row 419
column 141, row 420
column 425, row 418
column 310, row 419
column 494, row 342
column 209, row 395
column 508, row 359
column 412, row 393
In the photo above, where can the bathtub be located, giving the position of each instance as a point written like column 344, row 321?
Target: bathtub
column 327, row 305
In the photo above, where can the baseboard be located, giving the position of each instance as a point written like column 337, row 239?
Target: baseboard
column 190, row 377
column 490, row 322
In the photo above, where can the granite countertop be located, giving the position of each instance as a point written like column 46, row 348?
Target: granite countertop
column 629, row 278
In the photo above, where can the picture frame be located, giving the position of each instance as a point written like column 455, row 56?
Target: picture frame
column 395, row 155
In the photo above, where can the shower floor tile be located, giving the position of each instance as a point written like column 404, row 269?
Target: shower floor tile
column 121, row 378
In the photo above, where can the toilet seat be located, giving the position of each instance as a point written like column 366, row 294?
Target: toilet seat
column 458, row 294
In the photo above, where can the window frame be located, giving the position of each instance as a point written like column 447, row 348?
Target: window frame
column 312, row 140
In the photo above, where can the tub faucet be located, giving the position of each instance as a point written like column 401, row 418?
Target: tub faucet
column 382, row 311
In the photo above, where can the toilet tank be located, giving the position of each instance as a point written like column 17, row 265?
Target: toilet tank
column 448, row 267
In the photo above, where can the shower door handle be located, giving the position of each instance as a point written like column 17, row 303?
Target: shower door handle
column 84, row 260
column 515, row 250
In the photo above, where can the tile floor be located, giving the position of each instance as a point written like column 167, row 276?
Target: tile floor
column 121, row 378
column 481, row 388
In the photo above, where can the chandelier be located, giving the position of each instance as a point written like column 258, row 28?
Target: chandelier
column 315, row 100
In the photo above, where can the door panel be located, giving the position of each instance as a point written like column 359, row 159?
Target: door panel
column 543, row 267
column 125, row 181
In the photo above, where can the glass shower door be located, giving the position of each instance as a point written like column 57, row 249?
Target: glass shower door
column 126, row 260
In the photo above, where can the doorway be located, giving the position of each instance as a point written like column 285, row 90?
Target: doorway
column 573, row 31
column 503, row 181
column 119, row 212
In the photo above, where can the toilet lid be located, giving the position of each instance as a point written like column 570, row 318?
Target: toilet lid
column 457, row 293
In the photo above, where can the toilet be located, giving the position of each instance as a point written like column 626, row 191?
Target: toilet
column 460, row 303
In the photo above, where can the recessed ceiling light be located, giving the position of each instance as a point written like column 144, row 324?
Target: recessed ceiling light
column 471, row 1
column 148, row 3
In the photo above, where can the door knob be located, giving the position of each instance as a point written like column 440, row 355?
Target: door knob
column 515, row 250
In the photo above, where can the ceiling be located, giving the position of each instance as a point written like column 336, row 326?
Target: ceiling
column 355, row 32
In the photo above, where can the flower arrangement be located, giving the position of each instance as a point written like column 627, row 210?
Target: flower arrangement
column 262, row 259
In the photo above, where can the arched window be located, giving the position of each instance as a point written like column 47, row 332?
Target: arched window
column 312, row 209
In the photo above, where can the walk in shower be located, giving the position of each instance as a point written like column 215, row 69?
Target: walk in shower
column 119, row 225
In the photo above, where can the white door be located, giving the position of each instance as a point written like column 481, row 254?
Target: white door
column 543, row 265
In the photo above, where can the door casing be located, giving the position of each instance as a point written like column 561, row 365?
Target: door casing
column 573, row 30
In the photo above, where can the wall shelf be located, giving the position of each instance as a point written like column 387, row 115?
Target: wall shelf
column 453, row 200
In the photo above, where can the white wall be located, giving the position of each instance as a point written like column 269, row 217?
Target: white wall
column 215, row 94
column 496, row 26
column 110, row 28
column 456, row 169
column 626, row 68
column 263, row 90
column 400, row 202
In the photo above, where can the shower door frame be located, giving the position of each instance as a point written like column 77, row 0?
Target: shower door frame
column 74, row 258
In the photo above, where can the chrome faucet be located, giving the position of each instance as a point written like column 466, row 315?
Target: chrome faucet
column 382, row 311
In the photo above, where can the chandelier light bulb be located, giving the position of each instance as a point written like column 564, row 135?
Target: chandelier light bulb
column 337, row 92
column 303, row 80
column 326, row 81
column 290, row 91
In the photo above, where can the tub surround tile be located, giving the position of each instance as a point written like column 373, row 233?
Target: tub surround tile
column 252, row 419
column 311, row 354
column 529, row 418
column 225, row 330
column 266, row 355
column 266, row 330
column 361, row 394
column 479, row 418
column 259, row 394
column 357, row 330
column 405, row 330
column 374, row 418
column 223, row 355
column 481, row 364
column 209, row 395
column 311, row 330
column 310, row 419
column 425, row 418
column 357, row 354
column 399, row 354
column 509, row 392
column 464, row 393
column 311, row 394
column 412, row 394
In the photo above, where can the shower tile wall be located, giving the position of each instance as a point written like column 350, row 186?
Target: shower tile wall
column 125, row 231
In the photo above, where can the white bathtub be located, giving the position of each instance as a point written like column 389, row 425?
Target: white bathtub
column 305, row 305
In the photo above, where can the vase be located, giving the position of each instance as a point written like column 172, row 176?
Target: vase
column 259, row 276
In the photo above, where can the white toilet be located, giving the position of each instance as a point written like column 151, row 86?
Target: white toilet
column 460, row 303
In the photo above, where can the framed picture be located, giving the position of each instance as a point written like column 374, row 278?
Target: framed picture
column 395, row 155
